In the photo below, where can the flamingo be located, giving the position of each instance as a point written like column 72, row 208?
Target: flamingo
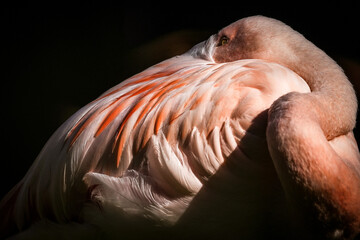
column 248, row 134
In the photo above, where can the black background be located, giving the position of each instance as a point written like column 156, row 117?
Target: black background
column 60, row 55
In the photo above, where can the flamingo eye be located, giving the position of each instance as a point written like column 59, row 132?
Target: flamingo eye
column 223, row 41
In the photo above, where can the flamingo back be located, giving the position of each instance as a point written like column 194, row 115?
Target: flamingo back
column 148, row 144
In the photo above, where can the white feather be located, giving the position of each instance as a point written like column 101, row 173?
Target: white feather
column 170, row 173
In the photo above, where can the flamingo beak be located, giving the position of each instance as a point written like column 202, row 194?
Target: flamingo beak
column 205, row 49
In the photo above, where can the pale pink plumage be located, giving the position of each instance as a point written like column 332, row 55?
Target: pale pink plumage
column 173, row 124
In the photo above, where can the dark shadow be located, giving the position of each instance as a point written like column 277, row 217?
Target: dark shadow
column 243, row 199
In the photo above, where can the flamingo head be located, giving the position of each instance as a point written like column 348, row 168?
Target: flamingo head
column 255, row 37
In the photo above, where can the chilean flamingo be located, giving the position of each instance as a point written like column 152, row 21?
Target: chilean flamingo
column 253, row 125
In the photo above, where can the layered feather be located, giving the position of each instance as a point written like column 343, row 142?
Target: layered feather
column 148, row 144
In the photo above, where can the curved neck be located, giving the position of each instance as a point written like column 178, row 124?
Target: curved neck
column 331, row 91
column 299, row 127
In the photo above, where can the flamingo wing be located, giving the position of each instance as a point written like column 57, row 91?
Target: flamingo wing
column 154, row 139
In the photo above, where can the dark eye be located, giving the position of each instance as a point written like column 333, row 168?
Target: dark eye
column 223, row 41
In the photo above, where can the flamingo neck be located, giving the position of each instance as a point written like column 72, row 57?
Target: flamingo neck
column 333, row 96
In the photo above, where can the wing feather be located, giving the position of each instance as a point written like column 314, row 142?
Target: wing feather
column 185, row 93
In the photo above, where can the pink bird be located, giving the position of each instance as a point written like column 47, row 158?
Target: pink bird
column 247, row 135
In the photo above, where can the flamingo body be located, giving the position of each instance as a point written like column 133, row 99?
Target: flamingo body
column 170, row 126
